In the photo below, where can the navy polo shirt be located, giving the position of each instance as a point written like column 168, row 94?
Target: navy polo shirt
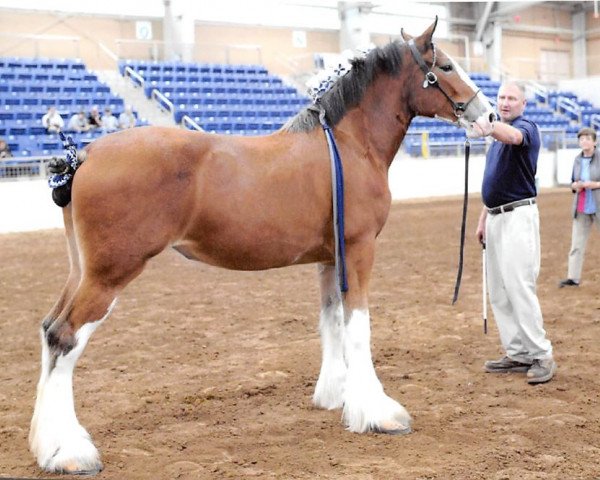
column 510, row 169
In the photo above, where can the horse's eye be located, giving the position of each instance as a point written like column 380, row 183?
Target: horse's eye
column 446, row 68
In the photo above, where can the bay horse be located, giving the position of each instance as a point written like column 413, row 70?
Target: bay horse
column 248, row 203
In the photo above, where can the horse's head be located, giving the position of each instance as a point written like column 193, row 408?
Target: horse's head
column 442, row 89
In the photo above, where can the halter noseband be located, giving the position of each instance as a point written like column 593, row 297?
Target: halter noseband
column 431, row 79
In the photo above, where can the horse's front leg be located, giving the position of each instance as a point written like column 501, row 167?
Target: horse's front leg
column 330, row 386
column 366, row 406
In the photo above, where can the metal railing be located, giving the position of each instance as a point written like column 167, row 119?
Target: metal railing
column 189, row 121
column 163, row 102
column 135, row 77
column 568, row 105
column 24, row 168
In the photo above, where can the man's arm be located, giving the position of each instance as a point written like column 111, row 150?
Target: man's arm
column 506, row 133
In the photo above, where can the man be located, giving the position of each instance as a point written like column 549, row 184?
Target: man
column 509, row 226
column 52, row 121
column 78, row 123
column 109, row 121
column 127, row 118
column 586, row 187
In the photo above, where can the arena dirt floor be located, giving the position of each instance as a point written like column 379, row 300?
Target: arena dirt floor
column 204, row 373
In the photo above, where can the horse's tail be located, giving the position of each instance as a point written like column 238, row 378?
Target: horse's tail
column 63, row 170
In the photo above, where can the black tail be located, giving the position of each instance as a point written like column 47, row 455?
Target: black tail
column 63, row 170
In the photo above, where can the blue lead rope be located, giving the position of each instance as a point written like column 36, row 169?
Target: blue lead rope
column 337, row 185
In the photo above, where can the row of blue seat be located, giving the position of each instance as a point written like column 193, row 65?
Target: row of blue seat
column 477, row 76
column 95, row 87
column 232, row 116
column 233, row 98
column 209, row 77
column 18, row 143
column 37, row 64
column 31, row 101
column 176, row 67
column 49, row 144
column 45, row 76
column 241, row 128
column 210, row 91
column 14, row 112
column 413, row 145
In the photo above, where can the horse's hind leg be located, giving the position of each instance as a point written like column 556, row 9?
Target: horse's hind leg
column 59, row 443
column 330, row 386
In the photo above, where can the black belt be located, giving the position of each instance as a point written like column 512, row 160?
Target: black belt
column 509, row 207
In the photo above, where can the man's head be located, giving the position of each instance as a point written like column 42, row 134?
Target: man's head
column 511, row 101
column 587, row 139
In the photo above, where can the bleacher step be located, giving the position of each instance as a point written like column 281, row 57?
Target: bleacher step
column 135, row 96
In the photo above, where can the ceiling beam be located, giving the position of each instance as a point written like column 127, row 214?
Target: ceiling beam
column 482, row 23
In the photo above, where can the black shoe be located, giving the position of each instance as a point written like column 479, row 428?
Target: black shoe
column 568, row 283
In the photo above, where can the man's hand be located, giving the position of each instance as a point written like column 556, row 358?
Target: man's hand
column 480, row 129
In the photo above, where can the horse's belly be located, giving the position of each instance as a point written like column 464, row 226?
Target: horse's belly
column 239, row 254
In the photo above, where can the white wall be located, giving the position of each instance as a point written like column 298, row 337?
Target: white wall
column 442, row 176
column 27, row 205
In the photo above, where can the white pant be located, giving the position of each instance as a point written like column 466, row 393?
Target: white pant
column 582, row 225
column 513, row 265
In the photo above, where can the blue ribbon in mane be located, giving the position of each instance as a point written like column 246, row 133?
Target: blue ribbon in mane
column 337, row 185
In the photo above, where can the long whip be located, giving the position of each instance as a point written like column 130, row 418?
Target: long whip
column 484, row 286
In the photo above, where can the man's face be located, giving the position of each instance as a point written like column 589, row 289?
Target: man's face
column 511, row 102
column 587, row 143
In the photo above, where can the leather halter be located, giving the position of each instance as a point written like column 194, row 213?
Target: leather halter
column 431, row 79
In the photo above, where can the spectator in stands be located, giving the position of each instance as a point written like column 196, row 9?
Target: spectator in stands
column 509, row 228
column 94, row 119
column 52, row 121
column 127, row 118
column 586, row 203
column 4, row 149
column 78, row 123
column 109, row 121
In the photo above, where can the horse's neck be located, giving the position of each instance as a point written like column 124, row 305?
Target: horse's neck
column 384, row 119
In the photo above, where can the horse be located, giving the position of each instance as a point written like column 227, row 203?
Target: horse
column 249, row 203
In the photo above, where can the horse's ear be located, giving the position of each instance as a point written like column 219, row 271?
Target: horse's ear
column 405, row 36
column 428, row 34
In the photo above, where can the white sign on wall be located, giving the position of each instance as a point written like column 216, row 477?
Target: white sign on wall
column 299, row 39
column 143, row 30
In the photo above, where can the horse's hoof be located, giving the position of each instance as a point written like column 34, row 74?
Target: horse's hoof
column 73, row 470
column 397, row 429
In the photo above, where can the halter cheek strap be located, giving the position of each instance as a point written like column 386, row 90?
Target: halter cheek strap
column 431, row 79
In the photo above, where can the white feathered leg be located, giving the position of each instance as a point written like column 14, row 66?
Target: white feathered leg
column 366, row 406
column 329, row 390
column 57, row 440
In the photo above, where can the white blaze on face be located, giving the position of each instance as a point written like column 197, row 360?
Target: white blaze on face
column 465, row 78
column 482, row 125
